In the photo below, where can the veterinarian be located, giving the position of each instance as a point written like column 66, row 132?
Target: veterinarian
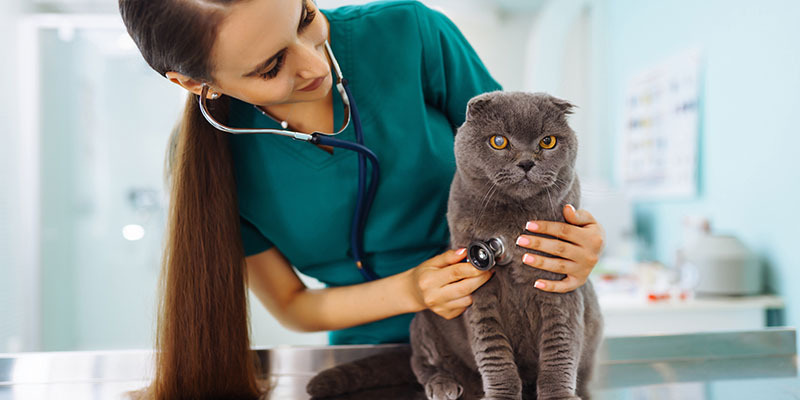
column 244, row 208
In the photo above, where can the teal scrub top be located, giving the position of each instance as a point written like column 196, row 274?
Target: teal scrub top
column 411, row 73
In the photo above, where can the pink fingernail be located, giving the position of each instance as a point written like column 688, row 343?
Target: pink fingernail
column 573, row 208
column 523, row 241
column 527, row 259
column 531, row 226
column 538, row 285
column 460, row 251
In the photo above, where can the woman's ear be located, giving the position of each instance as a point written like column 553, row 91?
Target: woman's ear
column 190, row 84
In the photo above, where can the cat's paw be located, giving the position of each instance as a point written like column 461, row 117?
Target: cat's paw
column 330, row 382
column 443, row 388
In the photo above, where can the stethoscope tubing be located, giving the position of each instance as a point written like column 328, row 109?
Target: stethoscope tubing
column 363, row 202
column 364, row 199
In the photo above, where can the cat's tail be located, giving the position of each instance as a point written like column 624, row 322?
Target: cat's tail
column 391, row 368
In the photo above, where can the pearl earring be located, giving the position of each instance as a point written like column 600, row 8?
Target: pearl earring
column 214, row 96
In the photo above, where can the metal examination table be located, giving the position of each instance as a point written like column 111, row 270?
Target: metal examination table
column 726, row 365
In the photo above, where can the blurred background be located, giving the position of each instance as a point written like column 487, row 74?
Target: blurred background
column 687, row 124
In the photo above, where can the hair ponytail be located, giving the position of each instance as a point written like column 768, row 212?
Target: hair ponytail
column 203, row 345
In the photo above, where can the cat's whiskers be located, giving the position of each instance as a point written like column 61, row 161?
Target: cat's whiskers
column 553, row 177
column 562, row 185
column 501, row 177
column 485, row 201
column 557, row 184
column 550, row 198
column 491, row 192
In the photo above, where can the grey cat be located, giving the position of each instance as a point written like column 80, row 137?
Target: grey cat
column 515, row 158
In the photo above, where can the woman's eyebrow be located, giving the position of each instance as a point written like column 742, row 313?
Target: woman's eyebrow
column 260, row 67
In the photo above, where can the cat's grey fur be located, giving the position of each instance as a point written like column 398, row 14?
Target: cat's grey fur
column 515, row 341
column 522, row 341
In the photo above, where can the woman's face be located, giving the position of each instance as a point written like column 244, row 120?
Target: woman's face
column 270, row 52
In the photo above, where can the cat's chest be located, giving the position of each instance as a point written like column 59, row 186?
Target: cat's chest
column 518, row 305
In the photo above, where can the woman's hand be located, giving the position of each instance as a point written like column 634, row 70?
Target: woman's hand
column 444, row 285
column 580, row 244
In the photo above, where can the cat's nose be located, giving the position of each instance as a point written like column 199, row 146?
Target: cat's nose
column 526, row 165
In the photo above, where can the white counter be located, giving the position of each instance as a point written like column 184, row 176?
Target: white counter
column 627, row 315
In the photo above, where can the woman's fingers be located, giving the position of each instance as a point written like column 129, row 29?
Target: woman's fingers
column 455, row 273
column 443, row 279
column 447, row 258
column 453, row 297
column 456, row 297
column 561, row 230
column 438, row 270
column 580, row 229
column 557, row 265
column 567, row 284
column 465, row 286
column 553, row 247
column 578, row 217
column 577, row 248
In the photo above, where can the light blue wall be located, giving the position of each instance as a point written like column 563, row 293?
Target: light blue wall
column 750, row 104
column 99, row 289
column 12, row 321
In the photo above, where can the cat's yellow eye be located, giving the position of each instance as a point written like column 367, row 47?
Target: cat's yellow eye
column 498, row 142
column 548, row 142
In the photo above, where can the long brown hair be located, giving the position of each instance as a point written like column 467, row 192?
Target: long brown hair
column 203, row 345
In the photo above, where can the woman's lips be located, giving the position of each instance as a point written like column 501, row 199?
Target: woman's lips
column 313, row 85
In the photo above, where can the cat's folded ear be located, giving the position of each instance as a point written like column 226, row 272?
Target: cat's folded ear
column 563, row 105
column 479, row 105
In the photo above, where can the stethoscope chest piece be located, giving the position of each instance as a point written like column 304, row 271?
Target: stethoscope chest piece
column 484, row 255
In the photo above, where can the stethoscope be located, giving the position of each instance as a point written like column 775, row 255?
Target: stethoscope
column 365, row 198
column 486, row 254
